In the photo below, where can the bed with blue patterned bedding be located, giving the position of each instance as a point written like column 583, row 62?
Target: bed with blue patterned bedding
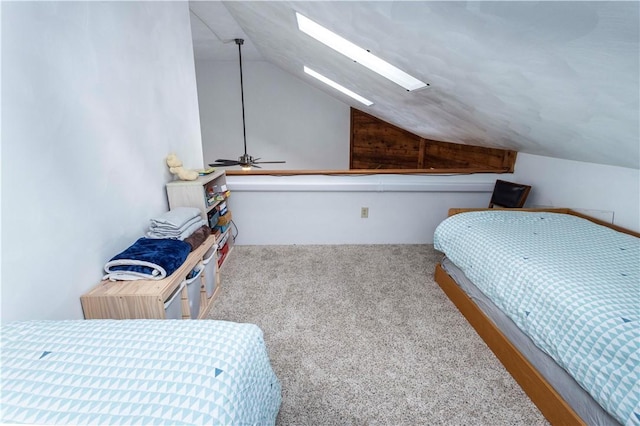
column 136, row 372
column 572, row 286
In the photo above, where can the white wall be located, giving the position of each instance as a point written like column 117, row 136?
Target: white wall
column 94, row 96
column 286, row 119
column 326, row 209
column 406, row 209
column 596, row 189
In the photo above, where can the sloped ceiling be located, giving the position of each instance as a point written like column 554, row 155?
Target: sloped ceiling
column 559, row 79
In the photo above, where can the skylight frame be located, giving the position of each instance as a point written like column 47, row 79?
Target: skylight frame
column 337, row 86
column 358, row 54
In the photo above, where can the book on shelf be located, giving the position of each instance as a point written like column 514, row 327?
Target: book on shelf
column 212, row 199
column 204, row 172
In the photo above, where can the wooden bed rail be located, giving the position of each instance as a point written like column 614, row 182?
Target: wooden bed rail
column 542, row 394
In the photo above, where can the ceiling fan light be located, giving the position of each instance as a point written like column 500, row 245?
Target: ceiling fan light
column 358, row 54
column 337, row 86
column 246, row 168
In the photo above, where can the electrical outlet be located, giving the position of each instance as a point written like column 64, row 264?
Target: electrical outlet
column 364, row 212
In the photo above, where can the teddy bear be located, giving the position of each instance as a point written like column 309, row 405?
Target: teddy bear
column 175, row 167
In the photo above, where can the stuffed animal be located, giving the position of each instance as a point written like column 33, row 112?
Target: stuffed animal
column 175, row 167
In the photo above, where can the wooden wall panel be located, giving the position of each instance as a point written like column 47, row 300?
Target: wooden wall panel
column 376, row 144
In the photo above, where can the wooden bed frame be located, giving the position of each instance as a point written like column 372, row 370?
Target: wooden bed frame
column 543, row 395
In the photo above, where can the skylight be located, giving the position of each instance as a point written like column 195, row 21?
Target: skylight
column 337, row 86
column 357, row 54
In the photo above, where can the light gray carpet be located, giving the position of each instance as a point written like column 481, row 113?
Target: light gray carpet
column 361, row 334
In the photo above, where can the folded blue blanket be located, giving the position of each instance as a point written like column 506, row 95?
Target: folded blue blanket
column 148, row 258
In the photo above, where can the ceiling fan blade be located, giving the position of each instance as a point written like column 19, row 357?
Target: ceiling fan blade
column 270, row 162
column 222, row 160
column 257, row 167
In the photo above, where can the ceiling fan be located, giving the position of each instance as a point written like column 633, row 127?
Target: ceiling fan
column 245, row 160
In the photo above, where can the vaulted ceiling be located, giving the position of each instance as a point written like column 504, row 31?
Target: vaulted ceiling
column 559, row 79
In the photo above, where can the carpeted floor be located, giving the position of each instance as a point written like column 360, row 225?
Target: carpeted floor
column 361, row 334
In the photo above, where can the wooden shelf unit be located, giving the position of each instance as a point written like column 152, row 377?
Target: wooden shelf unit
column 194, row 194
column 146, row 298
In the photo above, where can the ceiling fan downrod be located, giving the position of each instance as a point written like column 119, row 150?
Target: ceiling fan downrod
column 245, row 161
column 240, row 42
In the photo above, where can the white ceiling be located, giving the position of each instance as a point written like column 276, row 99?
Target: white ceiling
column 559, row 79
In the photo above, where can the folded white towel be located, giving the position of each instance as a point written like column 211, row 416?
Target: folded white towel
column 176, row 217
column 176, row 234
column 171, row 230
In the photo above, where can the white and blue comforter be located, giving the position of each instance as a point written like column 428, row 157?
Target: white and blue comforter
column 136, row 372
column 572, row 286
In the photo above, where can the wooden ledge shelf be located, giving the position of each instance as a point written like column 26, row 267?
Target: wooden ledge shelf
column 457, row 171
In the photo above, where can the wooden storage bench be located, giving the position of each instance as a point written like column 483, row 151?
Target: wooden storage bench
column 146, row 298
